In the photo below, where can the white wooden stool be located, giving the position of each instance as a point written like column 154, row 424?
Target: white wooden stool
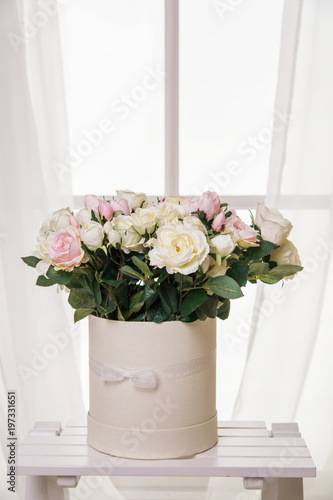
column 53, row 459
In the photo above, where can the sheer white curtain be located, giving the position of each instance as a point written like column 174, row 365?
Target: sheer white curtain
column 288, row 371
column 38, row 355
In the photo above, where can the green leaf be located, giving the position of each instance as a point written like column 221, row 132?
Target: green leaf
column 31, row 261
column 285, row 270
column 97, row 292
column 122, row 293
column 209, row 307
column 224, row 309
column 82, row 313
column 135, row 304
column 60, row 277
column 224, row 286
column 111, row 306
column 81, row 299
column 169, row 297
column 142, row 266
column 192, row 301
column 43, row 281
column 190, row 318
column 238, row 272
column 201, row 315
column 148, row 296
column 120, row 315
column 258, row 268
column 157, row 314
column 264, row 248
column 163, row 276
column 129, row 271
column 108, row 274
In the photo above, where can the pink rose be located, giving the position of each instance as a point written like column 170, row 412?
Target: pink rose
column 73, row 222
column 105, row 209
column 122, row 205
column 219, row 221
column 209, row 202
column 91, row 201
column 65, row 249
column 192, row 204
column 245, row 235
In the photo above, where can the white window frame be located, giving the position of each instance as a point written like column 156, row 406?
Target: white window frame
column 291, row 24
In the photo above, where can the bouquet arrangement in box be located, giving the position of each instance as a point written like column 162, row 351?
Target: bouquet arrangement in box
column 176, row 259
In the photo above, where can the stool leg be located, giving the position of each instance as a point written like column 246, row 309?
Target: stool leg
column 36, row 488
column 44, row 488
column 283, row 489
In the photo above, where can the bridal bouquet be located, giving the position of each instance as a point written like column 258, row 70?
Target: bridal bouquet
column 176, row 259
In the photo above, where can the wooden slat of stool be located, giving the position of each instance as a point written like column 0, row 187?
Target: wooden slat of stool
column 277, row 463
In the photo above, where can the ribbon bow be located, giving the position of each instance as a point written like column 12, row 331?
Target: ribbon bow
column 143, row 379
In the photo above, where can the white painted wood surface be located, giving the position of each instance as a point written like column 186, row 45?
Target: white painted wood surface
column 276, row 460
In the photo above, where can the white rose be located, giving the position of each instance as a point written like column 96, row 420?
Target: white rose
column 178, row 248
column 43, row 247
column 83, row 216
column 223, row 244
column 42, row 267
column 176, row 199
column 168, row 213
column 134, row 199
column 57, row 220
column 273, row 226
column 195, row 222
column 212, row 268
column 113, row 237
column 120, row 223
column 131, row 240
column 92, row 235
column 144, row 219
column 286, row 254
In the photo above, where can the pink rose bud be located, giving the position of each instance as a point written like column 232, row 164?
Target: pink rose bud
column 218, row 221
column 122, row 205
column 73, row 222
column 105, row 210
column 91, row 201
column 209, row 203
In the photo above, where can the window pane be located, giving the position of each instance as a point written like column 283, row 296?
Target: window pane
column 114, row 59
column 228, row 70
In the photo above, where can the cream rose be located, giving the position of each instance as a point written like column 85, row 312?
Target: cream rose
column 144, row 219
column 286, row 254
column 112, row 235
column 178, row 248
column 167, row 213
column 273, row 226
column 92, row 235
column 135, row 200
column 223, row 244
column 131, row 240
column 43, row 243
column 83, row 216
column 212, row 268
column 57, row 220
column 194, row 222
